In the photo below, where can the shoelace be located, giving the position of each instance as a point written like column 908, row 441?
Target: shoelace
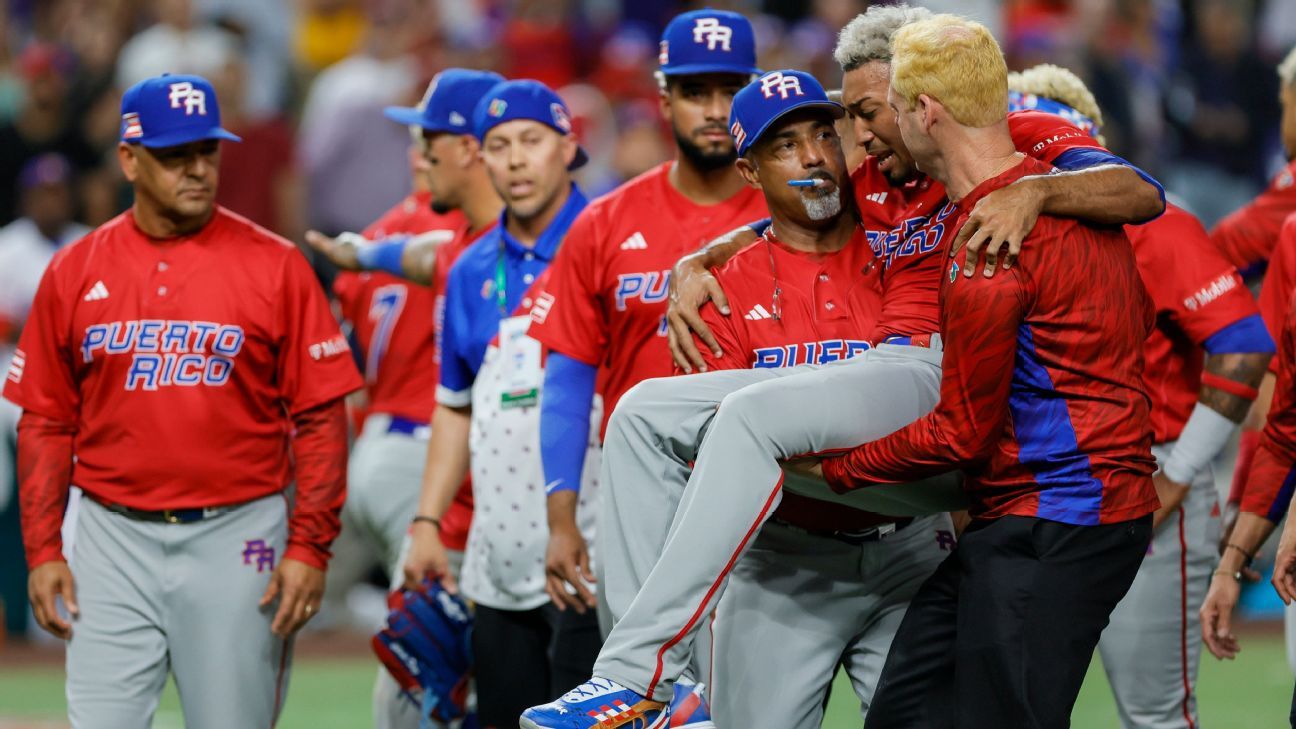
column 588, row 690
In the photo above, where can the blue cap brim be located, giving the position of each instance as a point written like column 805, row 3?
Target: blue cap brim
column 407, row 115
column 838, row 111
column 180, row 137
column 697, row 69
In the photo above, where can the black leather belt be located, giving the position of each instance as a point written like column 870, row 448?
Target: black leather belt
column 868, row 535
column 167, row 516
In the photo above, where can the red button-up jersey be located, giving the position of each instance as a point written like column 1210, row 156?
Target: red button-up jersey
column 826, row 306
column 607, row 290
column 1247, row 236
column 1272, row 478
column 180, row 361
column 1042, row 401
column 393, row 319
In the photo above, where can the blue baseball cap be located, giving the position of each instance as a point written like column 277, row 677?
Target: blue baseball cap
column 448, row 103
column 525, row 99
column 168, row 110
column 708, row 41
column 762, row 102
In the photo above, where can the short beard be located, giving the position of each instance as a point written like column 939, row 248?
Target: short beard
column 703, row 161
column 822, row 208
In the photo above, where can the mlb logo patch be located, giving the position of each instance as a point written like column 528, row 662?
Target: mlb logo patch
column 131, row 128
column 560, row 117
column 497, row 107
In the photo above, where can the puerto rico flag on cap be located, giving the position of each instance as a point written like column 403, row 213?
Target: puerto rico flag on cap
column 170, row 110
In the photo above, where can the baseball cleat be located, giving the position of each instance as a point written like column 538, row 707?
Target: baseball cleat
column 599, row 703
column 689, row 710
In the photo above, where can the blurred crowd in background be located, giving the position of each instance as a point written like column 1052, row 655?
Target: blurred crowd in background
column 1187, row 86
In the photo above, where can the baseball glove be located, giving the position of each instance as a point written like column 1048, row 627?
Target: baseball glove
column 425, row 646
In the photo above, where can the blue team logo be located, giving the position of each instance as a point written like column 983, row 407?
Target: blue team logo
column 823, row 352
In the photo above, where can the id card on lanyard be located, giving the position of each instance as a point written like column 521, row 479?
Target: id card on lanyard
column 520, row 371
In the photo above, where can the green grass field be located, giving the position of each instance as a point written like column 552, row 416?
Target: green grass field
column 333, row 693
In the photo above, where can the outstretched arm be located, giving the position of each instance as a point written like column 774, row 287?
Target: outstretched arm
column 410, row 257
column 691, row 286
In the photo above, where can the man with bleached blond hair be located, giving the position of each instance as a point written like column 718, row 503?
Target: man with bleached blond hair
column 1041, row 406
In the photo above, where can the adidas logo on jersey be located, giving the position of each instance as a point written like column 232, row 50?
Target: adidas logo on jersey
column 16, row 366
column 635, row 242
column 757, row 313
column 98, row 292
column 877, row 197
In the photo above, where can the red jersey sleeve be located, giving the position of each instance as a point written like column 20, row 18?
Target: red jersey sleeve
column 575, row 324
column 1047, row 136
column 40, row 378
column 729, row 333
column 315, row 363
column 982, row 316
column 1270, row 483
column 1200, row 290
column 1247, row 236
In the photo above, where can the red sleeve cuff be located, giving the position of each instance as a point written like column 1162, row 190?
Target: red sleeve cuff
column 39, row 557
column 307, row 554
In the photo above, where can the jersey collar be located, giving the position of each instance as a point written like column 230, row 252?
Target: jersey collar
column 546, row 246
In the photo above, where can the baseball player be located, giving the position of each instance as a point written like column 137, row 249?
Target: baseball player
column 394, row 324
column 1247, row 236
column 487, row 410
column 656, row 427
column 1152, row 647
column 602, row 312
column 181, row 367
column 822, row 585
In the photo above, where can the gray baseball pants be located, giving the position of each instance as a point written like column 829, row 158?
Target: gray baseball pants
column 664, row 568
column 179, row 598
column 1152, row 646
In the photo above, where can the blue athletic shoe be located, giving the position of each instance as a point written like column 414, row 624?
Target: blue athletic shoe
column 689, row 710
column 598, row 704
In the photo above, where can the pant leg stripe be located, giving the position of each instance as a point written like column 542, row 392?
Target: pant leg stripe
column 697, row 614
column 1183, row 614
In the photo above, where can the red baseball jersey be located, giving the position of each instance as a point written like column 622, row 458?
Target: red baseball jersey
column 1042, row 401
column 607, row 292
column 911, row 276
column 392, row 318
column 1279, row 282
column 1196, row 292
column 825, row 308
column 180, row 361
column 1272, row 478
column 1247, row 236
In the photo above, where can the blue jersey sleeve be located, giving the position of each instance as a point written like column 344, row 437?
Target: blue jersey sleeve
column 457, row 375
column 1079, row 159
column 1244, row 336
column 565, row 420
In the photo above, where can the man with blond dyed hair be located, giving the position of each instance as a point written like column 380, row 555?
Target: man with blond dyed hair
column 1041, row 406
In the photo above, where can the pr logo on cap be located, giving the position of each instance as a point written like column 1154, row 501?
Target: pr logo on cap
column 711, row 32
column 497, row 107
column 777, row 83
column 184, row 95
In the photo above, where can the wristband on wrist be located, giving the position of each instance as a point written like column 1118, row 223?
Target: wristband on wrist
column 1235, row 575
column 383, row 256
column 429, row 519
column 1202, row 438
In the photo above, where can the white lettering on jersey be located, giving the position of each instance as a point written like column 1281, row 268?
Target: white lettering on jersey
column 331, row 347
column 1211, row 291
column 711, row 32
column 184, row 94
column 166, row 353
column 16, row 366
column 777, row 83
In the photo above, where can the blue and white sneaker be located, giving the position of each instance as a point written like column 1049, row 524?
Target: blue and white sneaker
column 689, row 710
column 598, row 703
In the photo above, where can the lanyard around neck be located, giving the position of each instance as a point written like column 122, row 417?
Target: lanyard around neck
column 501, row 281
